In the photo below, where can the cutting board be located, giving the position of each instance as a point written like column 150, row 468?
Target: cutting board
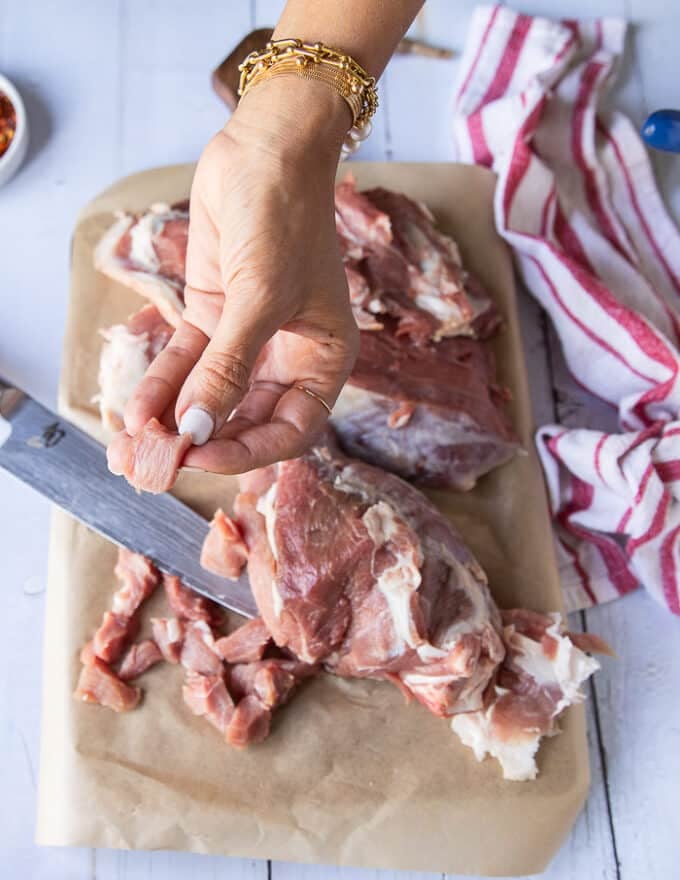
column 350, row 775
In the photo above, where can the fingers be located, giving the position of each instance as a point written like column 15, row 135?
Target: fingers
column 163, row 380
column 220, row 378
column 243, row 446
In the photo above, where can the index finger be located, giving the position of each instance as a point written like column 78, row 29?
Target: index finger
column 164, row 378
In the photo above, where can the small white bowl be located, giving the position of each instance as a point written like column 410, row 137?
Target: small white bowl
column 12, row 158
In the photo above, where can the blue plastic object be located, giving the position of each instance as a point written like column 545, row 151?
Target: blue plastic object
column 662, row 130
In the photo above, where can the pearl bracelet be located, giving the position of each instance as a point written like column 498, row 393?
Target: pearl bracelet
column 316, row 61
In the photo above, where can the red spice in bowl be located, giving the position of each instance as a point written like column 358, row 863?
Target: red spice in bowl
column 8, row 122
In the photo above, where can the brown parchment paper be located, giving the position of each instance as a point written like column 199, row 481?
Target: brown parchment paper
column 350, row 775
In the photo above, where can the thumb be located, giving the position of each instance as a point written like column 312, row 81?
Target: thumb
column 220, row 377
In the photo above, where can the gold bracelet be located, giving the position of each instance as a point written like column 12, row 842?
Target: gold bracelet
column 316, row 61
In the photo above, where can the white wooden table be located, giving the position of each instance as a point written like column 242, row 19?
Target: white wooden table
column 115, row 87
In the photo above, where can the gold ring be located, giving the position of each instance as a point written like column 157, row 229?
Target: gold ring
column 316, row 397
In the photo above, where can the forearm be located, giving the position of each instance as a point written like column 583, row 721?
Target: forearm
column 368, row 30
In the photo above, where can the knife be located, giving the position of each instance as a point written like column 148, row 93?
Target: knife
column 52, row 456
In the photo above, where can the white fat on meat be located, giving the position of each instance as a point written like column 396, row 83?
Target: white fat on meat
column 266, row 506
column 124, row 360
column 142, row 251
column 516, row 757
column 399, row 581
column 562, row 671
column 448, row 312
column 140, row 272
column 568, row 669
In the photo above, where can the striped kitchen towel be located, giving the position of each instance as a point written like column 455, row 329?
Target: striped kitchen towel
column 577, row 202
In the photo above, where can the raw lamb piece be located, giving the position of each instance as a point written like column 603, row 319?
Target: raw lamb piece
column 540, row 676
column 138, row 578
column 249, row 724
column 431, row 414
column 198, row 650
column 245, row 644
column 168, row 634
column 397, row 595
column 399, row 264
column 87, row 653
column 359, row 223
column 147, row 252
column 99, row 684
column 224, row 551
column 139, row 657
column 207, row 695
column 438, row 283
column 271, row 681
column 151, row 459
column 187, row 604
column 127, row 352
column 114, row 632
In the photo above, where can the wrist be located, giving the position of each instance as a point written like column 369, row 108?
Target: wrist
column 290, row 116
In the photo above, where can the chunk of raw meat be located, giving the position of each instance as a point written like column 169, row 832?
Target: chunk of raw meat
column 139, row 657
column 198, row 650
column 224, row 551
column 207, row 695
column 438, row 283
column 114, row 632
column 249, row 724
column 271, row 681
column 138, row 579
column 87, row 653
column 432, row 414
column 541, row 675
column 188, row 604
column 147, row 252
column 399, row 264
column 168, row 633
column 245, row 644
column 151, row 459
column 359, row 223
column 397, row 596
column 127, row 353
column 99, row 684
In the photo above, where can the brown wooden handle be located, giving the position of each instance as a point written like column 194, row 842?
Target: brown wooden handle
column 225, row 77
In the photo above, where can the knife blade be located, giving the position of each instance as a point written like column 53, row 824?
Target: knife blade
column 63, row 463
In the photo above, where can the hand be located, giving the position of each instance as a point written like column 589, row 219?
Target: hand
column 267, row 306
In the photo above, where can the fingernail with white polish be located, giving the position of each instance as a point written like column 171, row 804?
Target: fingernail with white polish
column 199, row 423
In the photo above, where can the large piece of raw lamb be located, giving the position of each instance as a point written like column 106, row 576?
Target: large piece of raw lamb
column 355, row 569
